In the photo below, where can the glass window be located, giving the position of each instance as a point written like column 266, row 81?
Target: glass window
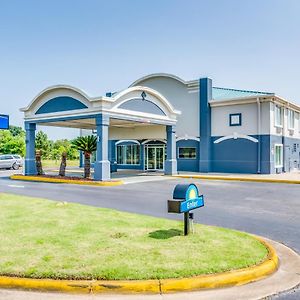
column 128, row 154
column 187, row 152
column 278, row 156
column 278, row 116
column 235, row 119
column 291, row 119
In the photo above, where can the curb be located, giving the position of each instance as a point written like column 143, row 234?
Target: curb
column 58, row 180
column 239, row 179
column 226, row 279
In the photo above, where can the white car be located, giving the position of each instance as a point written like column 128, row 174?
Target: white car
column 11, row 161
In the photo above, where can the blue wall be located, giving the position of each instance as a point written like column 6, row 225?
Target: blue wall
column 234, row 156
column 62, row 103
column 191, row 165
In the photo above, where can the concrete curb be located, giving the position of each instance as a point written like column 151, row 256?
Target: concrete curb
column 58, row 180
column 226, row 279
column 232, row 178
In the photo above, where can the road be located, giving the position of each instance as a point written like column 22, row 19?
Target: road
column 266, row 209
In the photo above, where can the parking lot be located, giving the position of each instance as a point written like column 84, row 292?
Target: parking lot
column 266, row 209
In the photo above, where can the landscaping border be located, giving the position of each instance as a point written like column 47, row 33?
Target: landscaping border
column 59, row 180
column 233, row 178
column 210, row 281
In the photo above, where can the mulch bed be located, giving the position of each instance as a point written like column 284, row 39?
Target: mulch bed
column 66, row 177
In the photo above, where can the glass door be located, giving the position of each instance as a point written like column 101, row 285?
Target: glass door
column 151, row 158
column 154, row 157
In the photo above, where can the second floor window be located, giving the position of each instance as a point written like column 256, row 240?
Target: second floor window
column 278, row 116
column 291, row 119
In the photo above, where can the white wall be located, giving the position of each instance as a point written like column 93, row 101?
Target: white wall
column 284, row 130
column 177, row 94
column 138, row 132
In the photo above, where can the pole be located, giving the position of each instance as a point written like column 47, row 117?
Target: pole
column 186, row 223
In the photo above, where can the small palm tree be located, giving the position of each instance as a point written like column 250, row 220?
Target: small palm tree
column 86, row 144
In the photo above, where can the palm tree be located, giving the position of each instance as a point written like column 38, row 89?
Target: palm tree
column 86, row 144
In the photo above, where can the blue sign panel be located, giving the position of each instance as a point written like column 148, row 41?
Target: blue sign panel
column 4, row 121
column 191, row 204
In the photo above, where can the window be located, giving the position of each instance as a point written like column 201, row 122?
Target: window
column 128, row 154
column 235, row 119
column 278, row 156
column 187, row 152
column 291, row 119
column 278, row 116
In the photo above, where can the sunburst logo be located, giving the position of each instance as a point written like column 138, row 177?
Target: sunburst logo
column 192, row 194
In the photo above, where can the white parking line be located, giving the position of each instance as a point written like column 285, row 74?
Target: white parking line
column 16, row 186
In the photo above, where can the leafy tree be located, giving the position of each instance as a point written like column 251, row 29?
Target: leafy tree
column 43, row 143
column 16, row 130
column 10, row 144
column 86, row 144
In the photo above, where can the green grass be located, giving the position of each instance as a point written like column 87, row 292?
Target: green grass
column 48, row 163
column 41, row 238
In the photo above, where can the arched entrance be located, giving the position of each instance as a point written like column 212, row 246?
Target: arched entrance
column 155, row 155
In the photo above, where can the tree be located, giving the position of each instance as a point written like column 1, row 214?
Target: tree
column 10, row 144
column 63, row 164
column 86, row 144
column 16, row 130
column 43, row 143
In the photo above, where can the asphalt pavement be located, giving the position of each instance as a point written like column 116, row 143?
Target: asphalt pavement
column 267, row 209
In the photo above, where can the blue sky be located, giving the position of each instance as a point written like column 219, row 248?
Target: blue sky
column 102, row 46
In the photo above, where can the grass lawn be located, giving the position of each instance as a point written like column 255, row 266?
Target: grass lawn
column 48, row 163
column 41, row 238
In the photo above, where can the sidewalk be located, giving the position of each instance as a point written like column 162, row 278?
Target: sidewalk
column 286, row 278
column 291, row 177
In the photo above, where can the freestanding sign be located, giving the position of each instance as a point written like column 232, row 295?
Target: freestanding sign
column 4, row 122
column 185, row 198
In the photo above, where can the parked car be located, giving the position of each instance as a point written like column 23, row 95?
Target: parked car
column 11, row 161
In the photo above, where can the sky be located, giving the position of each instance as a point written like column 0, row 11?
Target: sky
column 101, row 46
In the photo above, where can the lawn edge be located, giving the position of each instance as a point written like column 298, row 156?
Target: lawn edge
column 58, row 180
column 210, row 281
column 233, row 178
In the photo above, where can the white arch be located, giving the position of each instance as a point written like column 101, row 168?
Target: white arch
column 187, row 137
column 127, row 141
column 36, row 101
column 236, row 136
column 158, row 75
column 158, row 140
column 161, row 102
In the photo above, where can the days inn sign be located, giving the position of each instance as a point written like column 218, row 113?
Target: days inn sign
column 185, row 198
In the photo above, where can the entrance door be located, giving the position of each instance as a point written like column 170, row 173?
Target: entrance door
column 155, row 157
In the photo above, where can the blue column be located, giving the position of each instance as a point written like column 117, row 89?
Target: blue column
column 102, row 164
column 205, row 93
column 171, row 162
column 30, row 166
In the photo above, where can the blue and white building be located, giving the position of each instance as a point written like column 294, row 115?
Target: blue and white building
column 162, row 122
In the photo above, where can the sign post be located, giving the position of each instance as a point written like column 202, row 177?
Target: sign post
column 4, row 122
column 185, row 198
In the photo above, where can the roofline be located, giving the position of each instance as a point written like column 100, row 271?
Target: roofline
column 252, row 99
column 168, row 75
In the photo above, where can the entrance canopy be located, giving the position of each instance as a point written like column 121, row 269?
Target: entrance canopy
column 66, row 106
column 134, row 113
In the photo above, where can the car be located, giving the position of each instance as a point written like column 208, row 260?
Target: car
column 11, row 161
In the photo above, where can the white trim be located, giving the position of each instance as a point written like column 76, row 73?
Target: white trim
column 152, row 140
column 158, row 75
column 187, row 137
column 127, row 141
column 236, row 136
column 150, row 91
column 53, row 88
